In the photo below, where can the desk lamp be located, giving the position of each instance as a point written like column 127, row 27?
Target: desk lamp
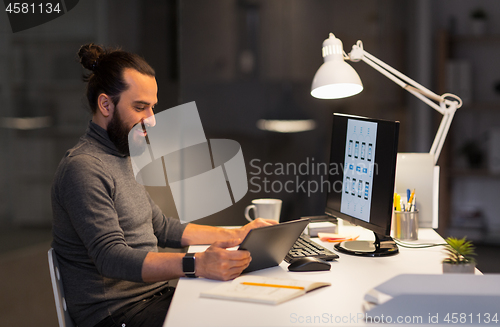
column 336, row 79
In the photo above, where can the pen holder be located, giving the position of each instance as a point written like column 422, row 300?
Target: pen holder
column 405, row 225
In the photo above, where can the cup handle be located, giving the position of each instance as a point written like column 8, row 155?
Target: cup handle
column 247, row 211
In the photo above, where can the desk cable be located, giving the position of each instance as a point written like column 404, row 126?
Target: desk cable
column 417, row 246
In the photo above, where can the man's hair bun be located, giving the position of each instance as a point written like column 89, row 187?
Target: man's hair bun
column 89, row 55
column 107, row 66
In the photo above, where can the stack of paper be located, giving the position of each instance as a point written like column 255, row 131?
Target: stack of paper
column 336, row 238
column 436, row 299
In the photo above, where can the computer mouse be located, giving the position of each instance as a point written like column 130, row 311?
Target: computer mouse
column 309, row 264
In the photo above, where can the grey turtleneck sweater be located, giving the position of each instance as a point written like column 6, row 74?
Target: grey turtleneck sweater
column 104, row 224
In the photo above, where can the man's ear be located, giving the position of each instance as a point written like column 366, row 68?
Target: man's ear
column 105, row 105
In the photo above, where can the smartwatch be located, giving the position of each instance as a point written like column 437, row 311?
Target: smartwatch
column 188, row 266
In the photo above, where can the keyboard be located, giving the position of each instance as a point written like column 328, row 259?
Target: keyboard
column 305, row 247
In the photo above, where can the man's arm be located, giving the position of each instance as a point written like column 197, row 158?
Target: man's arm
column 215, row 263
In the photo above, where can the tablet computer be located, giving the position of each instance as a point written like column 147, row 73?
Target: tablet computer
column 269, row 245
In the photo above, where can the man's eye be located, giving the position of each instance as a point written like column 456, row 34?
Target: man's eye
column 139, row 108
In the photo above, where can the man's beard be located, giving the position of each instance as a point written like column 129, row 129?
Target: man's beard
column 118, row 133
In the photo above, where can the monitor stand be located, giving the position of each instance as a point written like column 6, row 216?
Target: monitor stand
column 383, row 246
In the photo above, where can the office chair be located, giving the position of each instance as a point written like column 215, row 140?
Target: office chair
column 57, row 286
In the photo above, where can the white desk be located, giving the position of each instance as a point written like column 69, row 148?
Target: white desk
column 351, row 278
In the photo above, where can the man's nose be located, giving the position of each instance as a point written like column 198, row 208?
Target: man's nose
column 150, row 119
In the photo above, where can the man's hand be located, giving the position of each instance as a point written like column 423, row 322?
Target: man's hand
column 218, row 263
column 200, row 234
column 259, row 222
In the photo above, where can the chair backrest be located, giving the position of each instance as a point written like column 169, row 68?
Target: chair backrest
column 57, row 286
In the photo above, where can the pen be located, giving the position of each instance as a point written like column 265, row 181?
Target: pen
column 404, row 204
column 412, row 206
column 273, row 285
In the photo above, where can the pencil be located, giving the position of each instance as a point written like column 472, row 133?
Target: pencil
column 273, row 285
column 411, row 199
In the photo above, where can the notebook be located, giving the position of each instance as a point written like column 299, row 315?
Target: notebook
column 269, row 245
column 260, row 289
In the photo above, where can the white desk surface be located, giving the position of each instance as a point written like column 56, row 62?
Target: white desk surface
column 351, row 277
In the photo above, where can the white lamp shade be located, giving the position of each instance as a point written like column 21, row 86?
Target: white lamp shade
column 335, row 79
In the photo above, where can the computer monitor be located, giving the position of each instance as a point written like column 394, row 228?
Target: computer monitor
column 364, row 151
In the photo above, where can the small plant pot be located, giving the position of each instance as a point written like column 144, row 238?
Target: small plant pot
column 466, row 268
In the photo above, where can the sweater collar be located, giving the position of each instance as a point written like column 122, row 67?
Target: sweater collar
column 100, row 136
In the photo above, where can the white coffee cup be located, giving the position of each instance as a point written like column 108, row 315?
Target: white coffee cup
column 264, row 208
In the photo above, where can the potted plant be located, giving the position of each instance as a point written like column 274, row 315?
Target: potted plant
column 460, row 256
column 478, row 21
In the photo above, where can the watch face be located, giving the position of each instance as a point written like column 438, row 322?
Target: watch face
column 188, row 266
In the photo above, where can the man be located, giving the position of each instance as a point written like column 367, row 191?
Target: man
column 106, row 227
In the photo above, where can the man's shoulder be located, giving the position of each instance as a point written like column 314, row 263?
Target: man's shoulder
column 83, row 156
column 85, row 148
column 82, row 164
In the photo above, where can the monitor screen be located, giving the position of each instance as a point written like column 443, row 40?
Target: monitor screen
column 362, row 191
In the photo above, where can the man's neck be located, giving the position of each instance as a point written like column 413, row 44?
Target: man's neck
column 99, row 120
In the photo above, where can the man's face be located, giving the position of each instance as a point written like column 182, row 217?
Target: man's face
column 135, row 107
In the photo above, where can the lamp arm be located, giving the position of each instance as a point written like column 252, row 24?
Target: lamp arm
column 421, row 89
column 422, row 95
column 446, row 106
column 444, row 126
